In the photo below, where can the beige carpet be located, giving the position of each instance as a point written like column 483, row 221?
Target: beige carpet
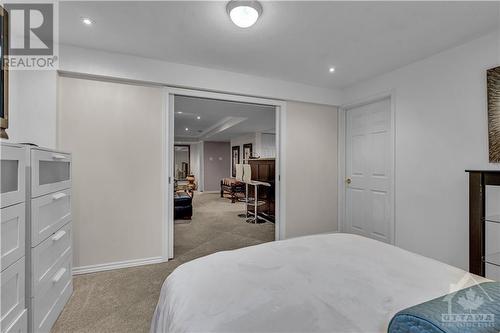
column 124, row 300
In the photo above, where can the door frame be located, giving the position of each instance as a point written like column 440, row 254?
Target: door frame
column 342, row 189
column 168, row 172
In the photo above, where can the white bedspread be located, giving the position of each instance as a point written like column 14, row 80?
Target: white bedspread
column 323, row 283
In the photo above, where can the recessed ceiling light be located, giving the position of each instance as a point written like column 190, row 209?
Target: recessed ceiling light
column 198, row 117
column 179, row 112
column 87, row 21
column 244, row 13
column 331, row 69
column 187, row 129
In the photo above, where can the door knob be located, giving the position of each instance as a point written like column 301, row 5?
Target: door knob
column 348, row 180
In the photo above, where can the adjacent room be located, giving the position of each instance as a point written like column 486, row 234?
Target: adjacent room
column 249, row 166
column 214, row 203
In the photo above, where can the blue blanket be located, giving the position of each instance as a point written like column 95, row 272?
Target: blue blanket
column 472, row 310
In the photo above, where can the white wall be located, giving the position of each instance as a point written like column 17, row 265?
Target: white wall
column 311, row 169
column 441, row 130
column 32, row 107
column 116, row 65
column 33, row 93
column 195, row 162
column 267, row 145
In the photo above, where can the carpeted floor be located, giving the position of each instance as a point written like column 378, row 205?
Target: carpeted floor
column 124, row 300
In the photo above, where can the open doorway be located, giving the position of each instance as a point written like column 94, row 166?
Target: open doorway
column 224, row 174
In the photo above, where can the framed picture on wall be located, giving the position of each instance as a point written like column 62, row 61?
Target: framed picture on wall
column 235, row 159
column 493, row 83
column 247, row 152
column 4, row 73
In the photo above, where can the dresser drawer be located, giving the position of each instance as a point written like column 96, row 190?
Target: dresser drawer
column 13, row 293
column 50, row 297
column 50, row 172
column 20, row 325
column 48, row 255
column 12, row 174
column 48, row 214
column 12, row 234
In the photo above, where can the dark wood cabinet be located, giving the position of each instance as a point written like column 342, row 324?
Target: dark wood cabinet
column 478, row 180
column 264, row 170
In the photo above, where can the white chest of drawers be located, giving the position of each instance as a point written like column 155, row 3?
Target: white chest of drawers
column 13, row 309
column 49, row 236
column 36, row 205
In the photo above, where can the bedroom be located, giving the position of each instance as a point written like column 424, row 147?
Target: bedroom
column 418, row 70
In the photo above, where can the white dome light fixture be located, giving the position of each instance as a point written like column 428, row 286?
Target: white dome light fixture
column 244, row 13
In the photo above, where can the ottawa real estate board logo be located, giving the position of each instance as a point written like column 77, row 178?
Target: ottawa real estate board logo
column 29, row 35
column 468, row 308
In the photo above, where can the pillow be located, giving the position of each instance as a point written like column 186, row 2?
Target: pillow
column 474, row 309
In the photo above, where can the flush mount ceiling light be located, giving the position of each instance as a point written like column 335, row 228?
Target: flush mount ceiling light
column 331, row 69
column 244, row 13
column 87, row 21
column 198, row 117
column 187, row 129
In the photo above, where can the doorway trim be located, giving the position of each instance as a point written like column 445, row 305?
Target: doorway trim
column 342, row 157
column 168, row 211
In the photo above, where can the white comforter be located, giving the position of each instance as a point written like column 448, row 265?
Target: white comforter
column 324, row 283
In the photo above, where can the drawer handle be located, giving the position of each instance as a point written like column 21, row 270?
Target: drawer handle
column 58, row 157
column 58, row 235
column 58, row 275
column 58, row 196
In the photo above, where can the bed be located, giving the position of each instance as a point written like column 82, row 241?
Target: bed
column 323, row 283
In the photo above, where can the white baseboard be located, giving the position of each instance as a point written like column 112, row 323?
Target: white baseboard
column 117, row 265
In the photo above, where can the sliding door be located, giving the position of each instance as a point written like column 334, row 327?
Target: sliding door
column 115, row 133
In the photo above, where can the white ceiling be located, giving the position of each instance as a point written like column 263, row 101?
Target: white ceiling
column 294, row 41
column 219, row 120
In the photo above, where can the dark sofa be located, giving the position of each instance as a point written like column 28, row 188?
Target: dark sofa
column 183, row 206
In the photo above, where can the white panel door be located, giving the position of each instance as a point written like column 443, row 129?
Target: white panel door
column 369, row 171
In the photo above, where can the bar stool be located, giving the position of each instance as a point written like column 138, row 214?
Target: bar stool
column 255, row 202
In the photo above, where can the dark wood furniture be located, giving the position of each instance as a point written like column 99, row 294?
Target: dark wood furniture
column 232, row 187
column 478, row 180
column 264, row 170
